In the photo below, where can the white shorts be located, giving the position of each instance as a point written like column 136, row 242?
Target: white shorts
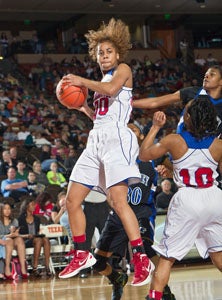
column 109, row 158
column 194, row 217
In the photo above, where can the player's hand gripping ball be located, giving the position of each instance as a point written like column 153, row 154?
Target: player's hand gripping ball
column 71, row 96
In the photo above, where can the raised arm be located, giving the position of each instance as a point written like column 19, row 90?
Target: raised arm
column 155, row 102
column 149, row 150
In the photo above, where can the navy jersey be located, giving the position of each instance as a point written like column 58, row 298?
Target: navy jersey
column 143, row 193
column 190, row 93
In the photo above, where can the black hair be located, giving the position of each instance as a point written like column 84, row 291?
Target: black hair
column 217, row 67
column 25, row 203
column 203, row 117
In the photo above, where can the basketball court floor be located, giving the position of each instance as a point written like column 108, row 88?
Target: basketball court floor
column 197, row 282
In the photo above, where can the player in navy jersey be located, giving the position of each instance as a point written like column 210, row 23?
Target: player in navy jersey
column 109, row 159
column 211, row 88
column 195, row 213
column 113, row 238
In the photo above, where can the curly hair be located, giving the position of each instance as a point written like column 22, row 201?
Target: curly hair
column 203, row 117
column 115, row 32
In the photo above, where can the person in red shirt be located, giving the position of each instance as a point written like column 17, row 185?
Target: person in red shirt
column 44, row 205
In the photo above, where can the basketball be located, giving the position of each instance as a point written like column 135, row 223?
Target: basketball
column 71, row 96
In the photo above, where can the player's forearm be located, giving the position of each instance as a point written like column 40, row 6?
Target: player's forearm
column 144, row 153
column 155, row 102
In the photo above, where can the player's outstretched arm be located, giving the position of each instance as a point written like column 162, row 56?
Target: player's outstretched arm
column 149, row 150
column 155, row 102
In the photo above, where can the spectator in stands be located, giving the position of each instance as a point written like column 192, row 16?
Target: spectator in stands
column 40, row 175
column 3, row 126
column 200, row 61
column 184, row 50
column 40, row 140
column 23, row 133
column 211, row 61
column 75, row 44
column 70, row 161
column 14, row 154
column 36, row 44
column 60, row 207
column 66, row 138
column 29, row 228
column 34, row 188
column 4, row 112
column 4, row 45
column 12, row 187
column 3, row 98
column 164, row 197
column 55, row 150
column 56, row 177
column 46, row 158
column 45, row 61
column 9, row 134
column 44, row 205
column 9, row 232
column 29, row 142
column 6, row 162
column 147, row 62
column 36, row 126
column 22, row 172
column 46, row 77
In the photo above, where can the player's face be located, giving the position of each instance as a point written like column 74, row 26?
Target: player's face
column 137, row 132
column 107, row 56
column 212, row 79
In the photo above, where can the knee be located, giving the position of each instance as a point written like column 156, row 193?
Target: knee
column 9, row 243
column 100, row 264
column 218, row 265
column 216, row 258
column 20, row 241
column 118, row 206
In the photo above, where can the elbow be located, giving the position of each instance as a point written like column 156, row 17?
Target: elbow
column 142, row 155
column 111, row 91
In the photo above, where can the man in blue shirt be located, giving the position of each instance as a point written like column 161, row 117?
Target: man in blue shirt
column 12, row 187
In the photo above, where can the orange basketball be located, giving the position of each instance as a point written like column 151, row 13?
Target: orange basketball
column 71, row 96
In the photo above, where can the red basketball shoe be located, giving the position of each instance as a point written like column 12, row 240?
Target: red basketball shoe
column 143, row 269
column 80, row 261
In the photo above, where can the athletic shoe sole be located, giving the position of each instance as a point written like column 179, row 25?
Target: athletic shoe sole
column 89, row 263
column 149, row 277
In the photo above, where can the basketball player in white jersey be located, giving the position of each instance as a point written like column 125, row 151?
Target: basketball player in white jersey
column 195, row 212
column 109, row 160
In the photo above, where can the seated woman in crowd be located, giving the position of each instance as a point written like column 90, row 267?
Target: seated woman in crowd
column 10, row 240
column 43, row 206
column 56, row 177
column 29, row 228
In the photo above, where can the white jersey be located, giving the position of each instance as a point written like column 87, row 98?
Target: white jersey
column 115, row 109
column 194, row 215
column 112, row 148
column 196, row 168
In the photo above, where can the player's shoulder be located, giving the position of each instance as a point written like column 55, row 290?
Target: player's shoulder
column 189, row 93
column 123, row 66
